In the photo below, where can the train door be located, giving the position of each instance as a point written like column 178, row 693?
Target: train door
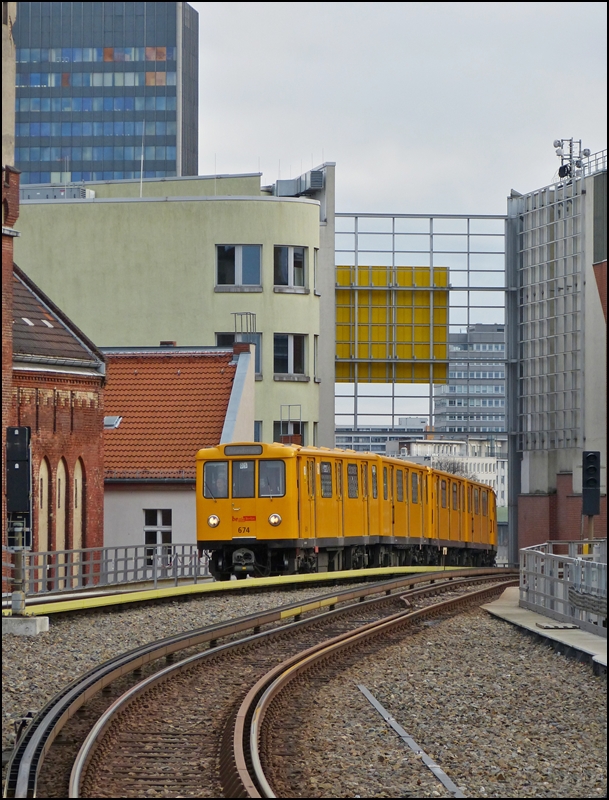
column 416, row 515
column 477, row 516
column 392, row 498
column 407, row 503
column 340, row 500
column 311, row 496
column 435, row 511
column 365, row 499
column 243, row 498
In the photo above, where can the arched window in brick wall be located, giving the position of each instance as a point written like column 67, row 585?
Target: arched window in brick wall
column 78, row 528
column 61, row 519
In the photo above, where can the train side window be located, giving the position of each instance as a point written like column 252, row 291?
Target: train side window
column 364, row 480
column 384, row 483
column 326, row 478
column 271, row 479
column 415, row 487
column 375, row 490
column 339, row 479
column 243, row 478
column 485, row 504
column 352, row 481
column 443, row 493
column 469, row 499
column 476, row 501
column 455, row 497
column 406, row 479
column 463, row 497
column 399, row 478
column 215, row 479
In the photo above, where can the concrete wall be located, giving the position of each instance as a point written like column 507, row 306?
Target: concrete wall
column 326, row 282
column 239, row 422
column 8, row 84
column 124, row 513
column 199, row 186
column 133, row 272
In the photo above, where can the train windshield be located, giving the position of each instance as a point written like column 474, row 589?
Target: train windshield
column 271, row 479
column 215, row 480
column 243, row 478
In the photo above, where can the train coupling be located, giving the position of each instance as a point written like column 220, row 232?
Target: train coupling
column 243, row 561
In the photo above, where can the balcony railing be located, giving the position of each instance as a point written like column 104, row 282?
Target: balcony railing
column 98, row 567
column 567, row 581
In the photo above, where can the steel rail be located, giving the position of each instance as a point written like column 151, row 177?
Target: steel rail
column 30, row 750
column 250, row 719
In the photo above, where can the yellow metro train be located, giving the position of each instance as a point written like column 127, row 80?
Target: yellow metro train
column 273, row 509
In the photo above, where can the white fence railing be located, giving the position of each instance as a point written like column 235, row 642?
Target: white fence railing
column 98, row 567
column 567, row 581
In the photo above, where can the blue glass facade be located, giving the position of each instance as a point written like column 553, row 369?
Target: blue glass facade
column 99, row 85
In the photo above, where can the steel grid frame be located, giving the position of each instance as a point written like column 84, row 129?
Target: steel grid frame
column 477, row 290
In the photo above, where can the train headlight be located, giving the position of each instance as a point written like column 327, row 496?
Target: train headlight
column 275, row 520
column 213, row 521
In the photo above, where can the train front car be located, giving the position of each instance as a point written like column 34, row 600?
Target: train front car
column 245, row 503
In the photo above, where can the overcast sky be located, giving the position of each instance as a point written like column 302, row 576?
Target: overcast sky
column 424, row 107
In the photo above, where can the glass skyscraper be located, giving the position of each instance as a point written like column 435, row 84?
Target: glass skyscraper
column 99, row 85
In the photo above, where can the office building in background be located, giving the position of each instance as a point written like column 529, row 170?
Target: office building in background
column 105, row 91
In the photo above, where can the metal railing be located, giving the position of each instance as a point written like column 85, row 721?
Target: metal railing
column 98, row 567
column 567, row 581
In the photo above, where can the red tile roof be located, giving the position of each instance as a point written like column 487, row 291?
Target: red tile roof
column 171, row 405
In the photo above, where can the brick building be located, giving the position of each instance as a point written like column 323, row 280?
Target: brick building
column 52, row 382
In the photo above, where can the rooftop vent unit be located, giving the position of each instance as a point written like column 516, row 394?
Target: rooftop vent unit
column 56, row 193
column 309, row 183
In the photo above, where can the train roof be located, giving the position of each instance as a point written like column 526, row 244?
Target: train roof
column 280, row 450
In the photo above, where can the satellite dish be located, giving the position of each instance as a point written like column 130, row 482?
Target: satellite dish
column 586, row 152
column 557, row 143
column 559, row 151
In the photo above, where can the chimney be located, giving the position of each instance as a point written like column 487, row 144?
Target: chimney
column 241, row 347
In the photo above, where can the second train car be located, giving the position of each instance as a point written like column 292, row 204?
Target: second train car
column 274, row 509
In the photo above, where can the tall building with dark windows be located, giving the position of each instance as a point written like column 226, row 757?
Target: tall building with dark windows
column 102, row 88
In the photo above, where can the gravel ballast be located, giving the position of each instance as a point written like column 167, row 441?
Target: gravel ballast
column 500, row 713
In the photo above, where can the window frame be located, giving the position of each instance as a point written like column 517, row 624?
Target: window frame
column 291, row 339
column 238, row 279
column 166, row 535
column 290, row 267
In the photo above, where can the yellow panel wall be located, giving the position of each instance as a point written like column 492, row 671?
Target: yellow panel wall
column 384, row 314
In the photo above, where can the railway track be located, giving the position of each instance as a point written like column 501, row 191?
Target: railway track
column 158, row 729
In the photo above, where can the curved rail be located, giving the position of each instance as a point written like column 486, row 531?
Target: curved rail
column 29, row 753
column 249, row 778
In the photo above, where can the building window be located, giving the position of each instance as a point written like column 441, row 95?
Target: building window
column 238, row 264
column 296, row 432
column 257, row 430
column 157, row 531
column 228, row 339
column 289, row 266
column 289, row 355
